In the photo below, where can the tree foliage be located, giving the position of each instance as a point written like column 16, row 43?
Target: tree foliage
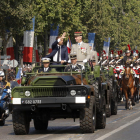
column 118, row 19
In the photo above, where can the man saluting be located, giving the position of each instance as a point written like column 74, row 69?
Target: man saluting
column 59, row 53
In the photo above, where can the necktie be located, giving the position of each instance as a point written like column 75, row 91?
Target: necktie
column 58, row 54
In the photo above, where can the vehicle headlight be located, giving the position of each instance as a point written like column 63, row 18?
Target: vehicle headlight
column 73, row 92
column 27, row 93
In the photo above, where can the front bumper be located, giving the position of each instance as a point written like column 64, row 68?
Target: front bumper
column 49, row 100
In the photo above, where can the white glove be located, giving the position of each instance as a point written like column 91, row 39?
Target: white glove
column 8, row 90
column 69, row 61
column 85, row 60
column 131, row 65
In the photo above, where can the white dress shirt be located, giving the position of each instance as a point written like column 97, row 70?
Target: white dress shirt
column 55, row 56
column 46, row 69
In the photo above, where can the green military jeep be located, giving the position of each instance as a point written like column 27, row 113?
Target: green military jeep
column 48, row 96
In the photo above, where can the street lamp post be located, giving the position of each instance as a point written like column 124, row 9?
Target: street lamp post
column 40, row 53
column 21, row 46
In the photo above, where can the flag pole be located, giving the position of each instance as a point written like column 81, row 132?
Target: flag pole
column 69, row 41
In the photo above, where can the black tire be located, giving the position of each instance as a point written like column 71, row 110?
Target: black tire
column 88, row 117
column 2, row 122
column 108, row 104
column 98, row 96
column 113, row 91
column 101, row 117
column 21, row 123
column 40, row 125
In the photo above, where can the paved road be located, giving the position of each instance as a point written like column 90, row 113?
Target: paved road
column 124, row 126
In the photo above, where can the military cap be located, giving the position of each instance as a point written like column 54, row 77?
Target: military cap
column 46, row 60
column 73, row 56
column 77, row 33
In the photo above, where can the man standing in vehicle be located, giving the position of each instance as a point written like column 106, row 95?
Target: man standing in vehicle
column 81, row 49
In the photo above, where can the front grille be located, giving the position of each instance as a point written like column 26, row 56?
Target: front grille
column 50, row 92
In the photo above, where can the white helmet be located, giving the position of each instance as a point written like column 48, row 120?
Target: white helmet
column 1, row 73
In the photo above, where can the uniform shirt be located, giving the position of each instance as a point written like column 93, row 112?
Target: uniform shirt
column 44, row 70
column 127, row 58
column 104, row 62
column 76, row 67
column 118, row 62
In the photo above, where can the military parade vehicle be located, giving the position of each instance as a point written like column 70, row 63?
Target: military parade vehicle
column 107, row 77
column 48, row 96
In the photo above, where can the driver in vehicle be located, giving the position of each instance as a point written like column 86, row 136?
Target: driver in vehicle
column 46, row 64
column 74, row 66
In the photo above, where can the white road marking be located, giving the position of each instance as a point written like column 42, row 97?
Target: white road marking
column 118, row 129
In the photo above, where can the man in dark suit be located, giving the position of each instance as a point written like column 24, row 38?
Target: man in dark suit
column 59, row 53
column 46, row 64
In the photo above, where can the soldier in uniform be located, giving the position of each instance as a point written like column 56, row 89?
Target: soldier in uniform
column 93, row 63
column 46, row 64
column 136, row 67
column 74, row 66
column 82, row 49
column 128, row 57
column 4, row 93
column 104, row 61
column 93, row 53
column 111, row 59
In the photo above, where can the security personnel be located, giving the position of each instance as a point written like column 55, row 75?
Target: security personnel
column 111, row 60
column 81, row 49
column 46, row 64
column 136, row 67
column 118, row 60
column 128, row 57
column 93, row 63
column 74, row 66
column 4, row 91
column 104, row 61
column 93, row 53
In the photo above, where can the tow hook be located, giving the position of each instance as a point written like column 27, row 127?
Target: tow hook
column 33, row 107
column 64, row 106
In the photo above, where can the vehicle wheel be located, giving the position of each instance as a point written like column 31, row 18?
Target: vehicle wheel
column 101, row 117
column 2, row 122
column 21, row 123
column 98, row 96
column 40, row 125
column 108, row 104
column 114, row 105
column 88, row 117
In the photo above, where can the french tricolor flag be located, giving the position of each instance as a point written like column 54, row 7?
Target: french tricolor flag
column 69, row 44
column 53, row 35
column 36, row 50
column 18, row 76
column 28, row 40
column 106, row 46
column 9, row 47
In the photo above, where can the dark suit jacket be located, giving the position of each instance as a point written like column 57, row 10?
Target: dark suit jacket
column 42, row 70
column 64, row 51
